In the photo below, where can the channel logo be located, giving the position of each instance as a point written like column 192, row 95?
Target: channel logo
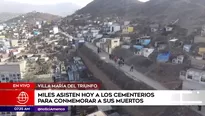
column 22, row 98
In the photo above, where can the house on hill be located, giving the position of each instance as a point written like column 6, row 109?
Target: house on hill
column 111, row 28
column 169, row 28
column 193, row 79
column 154, row 27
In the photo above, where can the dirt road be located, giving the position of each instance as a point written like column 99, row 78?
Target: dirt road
column 108, row 84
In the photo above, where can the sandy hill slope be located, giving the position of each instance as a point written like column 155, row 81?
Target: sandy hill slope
column 32, row 17
column 110, row 7
column 189, row 12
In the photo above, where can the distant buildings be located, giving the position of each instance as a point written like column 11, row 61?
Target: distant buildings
column 4, row 44
column 12, row 72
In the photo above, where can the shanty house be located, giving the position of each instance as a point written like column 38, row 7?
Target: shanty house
column 163, row 57
column 146, row 52
column 193, row 79
column 168, row 28
column 154, row 27
column 112, row 28
column 127, row 29
column 187, row 48
column 110, row 44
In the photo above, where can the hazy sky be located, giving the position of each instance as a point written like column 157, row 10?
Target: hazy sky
column 78, row 2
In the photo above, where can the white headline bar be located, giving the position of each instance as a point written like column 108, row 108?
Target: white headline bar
column 118, row 98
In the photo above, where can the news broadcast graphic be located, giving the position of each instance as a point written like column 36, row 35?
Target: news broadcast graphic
column 30, row 95
column 69, row 86
column 17, row 85
column 118, row 98
column 33, row 108
column 16, row 97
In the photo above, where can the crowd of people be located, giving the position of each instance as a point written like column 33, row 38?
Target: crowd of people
column 118, row 60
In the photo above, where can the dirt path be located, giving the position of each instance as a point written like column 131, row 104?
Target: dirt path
column 108, row 84
column 99, row 74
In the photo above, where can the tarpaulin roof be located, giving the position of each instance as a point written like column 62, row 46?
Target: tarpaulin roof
column 139, row 47
column 145, row 41
column 163, row 57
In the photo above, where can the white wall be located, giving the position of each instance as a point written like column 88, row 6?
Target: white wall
column 55, row 30
column 115, row 42
column 189, row 85
column 39, row 26
column 1, row 27
column 116, row 28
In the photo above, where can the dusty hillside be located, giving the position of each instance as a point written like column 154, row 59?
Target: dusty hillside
column 6, row 16
column 32, row 17
column 110, row 7
column 189, row 12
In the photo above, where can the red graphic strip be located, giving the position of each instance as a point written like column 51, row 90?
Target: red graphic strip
column 17, row 85
column 16, row 97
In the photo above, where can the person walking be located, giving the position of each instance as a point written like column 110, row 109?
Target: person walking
column 99, row 50
column 123, row 61
column 115, row 59
column 110, row 56
column 119, row 62
column 131, row 68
